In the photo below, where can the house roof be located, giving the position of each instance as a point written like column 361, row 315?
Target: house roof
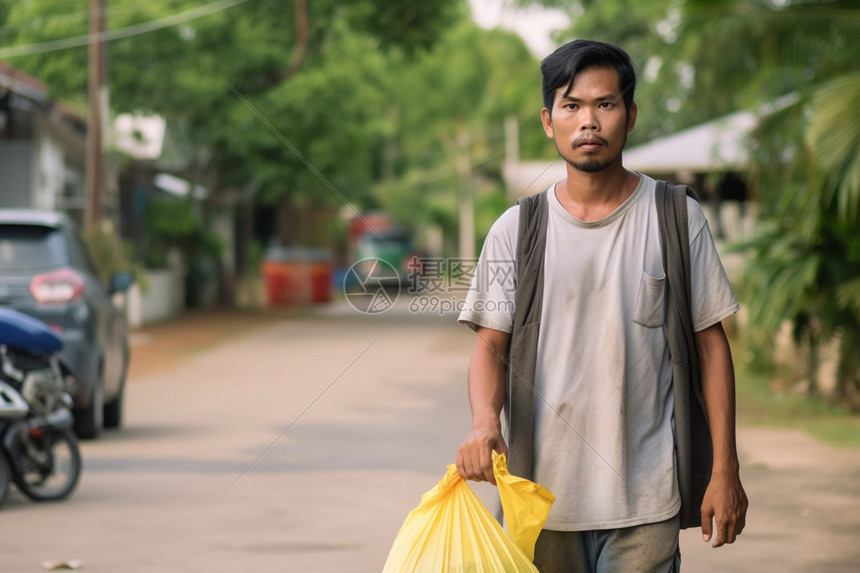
column 30, row 96
column 14, row 80
column 32, row 217
column 717, row 145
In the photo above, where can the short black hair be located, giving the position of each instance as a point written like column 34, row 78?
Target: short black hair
column 560, row 68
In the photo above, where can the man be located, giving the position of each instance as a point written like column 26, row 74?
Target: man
column 604, row 420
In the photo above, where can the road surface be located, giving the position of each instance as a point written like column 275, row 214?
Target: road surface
column 302, row 443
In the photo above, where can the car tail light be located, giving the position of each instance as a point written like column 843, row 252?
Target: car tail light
column 64, row 285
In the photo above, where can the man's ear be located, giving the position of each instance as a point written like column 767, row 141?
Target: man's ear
column 631, row 117
column 546, row 120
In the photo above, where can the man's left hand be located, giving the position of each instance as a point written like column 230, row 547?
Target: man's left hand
column 725, row 504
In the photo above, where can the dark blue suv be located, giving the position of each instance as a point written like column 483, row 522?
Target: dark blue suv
column 47, row 272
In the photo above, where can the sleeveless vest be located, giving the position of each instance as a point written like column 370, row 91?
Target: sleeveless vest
column 693, row 448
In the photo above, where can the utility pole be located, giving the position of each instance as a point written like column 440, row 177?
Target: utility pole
column 95, row 159
column 512, row 141
column 465, row 197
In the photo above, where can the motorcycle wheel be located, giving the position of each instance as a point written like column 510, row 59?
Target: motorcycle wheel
column 5, row 478
column 52, row 471
column 89, row 421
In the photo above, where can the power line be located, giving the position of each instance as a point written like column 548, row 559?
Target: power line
column 119, row 33
column 65, row 17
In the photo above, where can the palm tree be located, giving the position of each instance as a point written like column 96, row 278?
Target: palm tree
column 805, row 263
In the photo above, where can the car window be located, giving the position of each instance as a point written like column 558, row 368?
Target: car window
column 81, row 254
column 386, row 239
column 31, row 247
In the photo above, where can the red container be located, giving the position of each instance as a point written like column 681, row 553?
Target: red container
column 297, row 276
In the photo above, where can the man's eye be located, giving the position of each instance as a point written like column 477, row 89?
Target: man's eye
column 607, row 105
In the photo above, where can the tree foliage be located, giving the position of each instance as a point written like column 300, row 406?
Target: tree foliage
column 307, row 106
column 448, row 117
column 805, row 262
column 292, row 59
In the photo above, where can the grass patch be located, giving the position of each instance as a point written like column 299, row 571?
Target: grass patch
column 760, row 404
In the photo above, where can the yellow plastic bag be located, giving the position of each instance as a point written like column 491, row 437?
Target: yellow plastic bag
column 452, row 531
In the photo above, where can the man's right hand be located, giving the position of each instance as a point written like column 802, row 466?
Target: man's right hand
column 486, row 396
column 475, row 455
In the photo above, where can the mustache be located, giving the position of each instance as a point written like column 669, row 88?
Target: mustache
column 588, row 136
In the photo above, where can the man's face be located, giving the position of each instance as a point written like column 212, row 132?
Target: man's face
column 590, row 125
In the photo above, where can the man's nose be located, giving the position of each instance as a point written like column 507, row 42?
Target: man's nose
column 590, row 122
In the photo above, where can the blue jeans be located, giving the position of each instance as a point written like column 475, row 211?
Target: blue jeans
column 649, row 548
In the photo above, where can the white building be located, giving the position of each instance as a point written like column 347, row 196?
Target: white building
column 42, row 147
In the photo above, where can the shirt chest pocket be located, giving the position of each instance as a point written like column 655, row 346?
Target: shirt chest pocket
column 650, row 309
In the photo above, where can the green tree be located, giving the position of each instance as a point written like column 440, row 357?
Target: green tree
column 277, row 99
column 311, row 69
column 448, row 137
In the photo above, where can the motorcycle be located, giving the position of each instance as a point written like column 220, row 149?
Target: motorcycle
column 38, row 449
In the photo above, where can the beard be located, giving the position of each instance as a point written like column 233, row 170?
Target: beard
column 593, row 164
column 589, row 165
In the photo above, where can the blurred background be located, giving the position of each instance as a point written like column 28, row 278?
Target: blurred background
column 234, row 153
column 238, row 158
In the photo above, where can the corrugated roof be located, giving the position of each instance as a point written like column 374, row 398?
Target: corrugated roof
column 717, row 145
column 16, row 81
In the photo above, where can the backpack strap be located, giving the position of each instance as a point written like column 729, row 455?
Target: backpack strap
column 522, row 356
column 531, row 248
column 692, row 432
column 671, row 201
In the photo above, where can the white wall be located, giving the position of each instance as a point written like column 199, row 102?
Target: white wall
column 49, row 171
column 16, row 173
column 163, row 297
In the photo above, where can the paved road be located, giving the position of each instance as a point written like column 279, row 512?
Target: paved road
column 302, row 447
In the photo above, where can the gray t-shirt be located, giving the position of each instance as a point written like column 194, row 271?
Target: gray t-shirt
column 604, row 442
